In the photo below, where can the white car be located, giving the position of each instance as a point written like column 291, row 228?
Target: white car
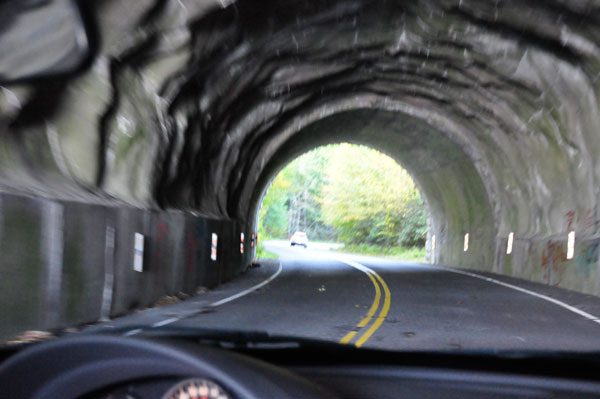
column 299, row 238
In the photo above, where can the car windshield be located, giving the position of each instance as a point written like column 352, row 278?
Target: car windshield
column 408, row 176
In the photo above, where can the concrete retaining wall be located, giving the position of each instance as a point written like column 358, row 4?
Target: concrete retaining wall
column 22, row 273
column 66, row 263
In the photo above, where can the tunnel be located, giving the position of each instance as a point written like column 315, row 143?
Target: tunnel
column 186, row 110
column 454, row 194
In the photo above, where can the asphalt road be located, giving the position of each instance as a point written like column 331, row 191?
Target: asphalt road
column 379, row 303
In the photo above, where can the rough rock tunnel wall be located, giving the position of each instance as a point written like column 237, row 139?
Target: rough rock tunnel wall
column 192, row 106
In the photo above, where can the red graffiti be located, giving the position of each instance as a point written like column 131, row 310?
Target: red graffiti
column 554, row 260
column 570, row 219
column 576, row 221
column 190, row 251
column 587, row 222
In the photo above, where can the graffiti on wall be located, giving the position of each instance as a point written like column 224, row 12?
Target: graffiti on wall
column 554, row 262
column 581, row 221
column 587, row 257
column 587, row 252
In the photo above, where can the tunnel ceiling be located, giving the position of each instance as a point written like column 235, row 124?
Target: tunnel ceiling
column 189, row 104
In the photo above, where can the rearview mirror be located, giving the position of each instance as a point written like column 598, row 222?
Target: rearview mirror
column 40, row 38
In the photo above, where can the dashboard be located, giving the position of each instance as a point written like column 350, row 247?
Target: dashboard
column 114, row 367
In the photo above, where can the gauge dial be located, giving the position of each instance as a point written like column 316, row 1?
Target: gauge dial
column 196, row 388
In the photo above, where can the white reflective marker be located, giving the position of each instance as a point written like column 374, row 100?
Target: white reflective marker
column 432, row 256
column 241, row 243
column 213, row 246
column 571, row 245
column 509, row 244
column 138, row 253
column 466, row 244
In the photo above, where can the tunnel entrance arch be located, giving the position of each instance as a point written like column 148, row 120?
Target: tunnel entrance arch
column 453, row 190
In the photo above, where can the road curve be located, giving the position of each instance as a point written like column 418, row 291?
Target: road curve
column 388, row 304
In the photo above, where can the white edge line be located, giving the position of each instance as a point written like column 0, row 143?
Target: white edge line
column 249, row 290
column 535, row 294
column 215, row 304
column 165, row 322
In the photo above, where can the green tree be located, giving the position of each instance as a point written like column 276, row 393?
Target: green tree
column 345, row 191
column 413, row 228
column 306, row 175
column 272, row 217
column 292, row 202
column 367, row 197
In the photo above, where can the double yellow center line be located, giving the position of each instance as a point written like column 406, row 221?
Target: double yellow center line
column 375, row 322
